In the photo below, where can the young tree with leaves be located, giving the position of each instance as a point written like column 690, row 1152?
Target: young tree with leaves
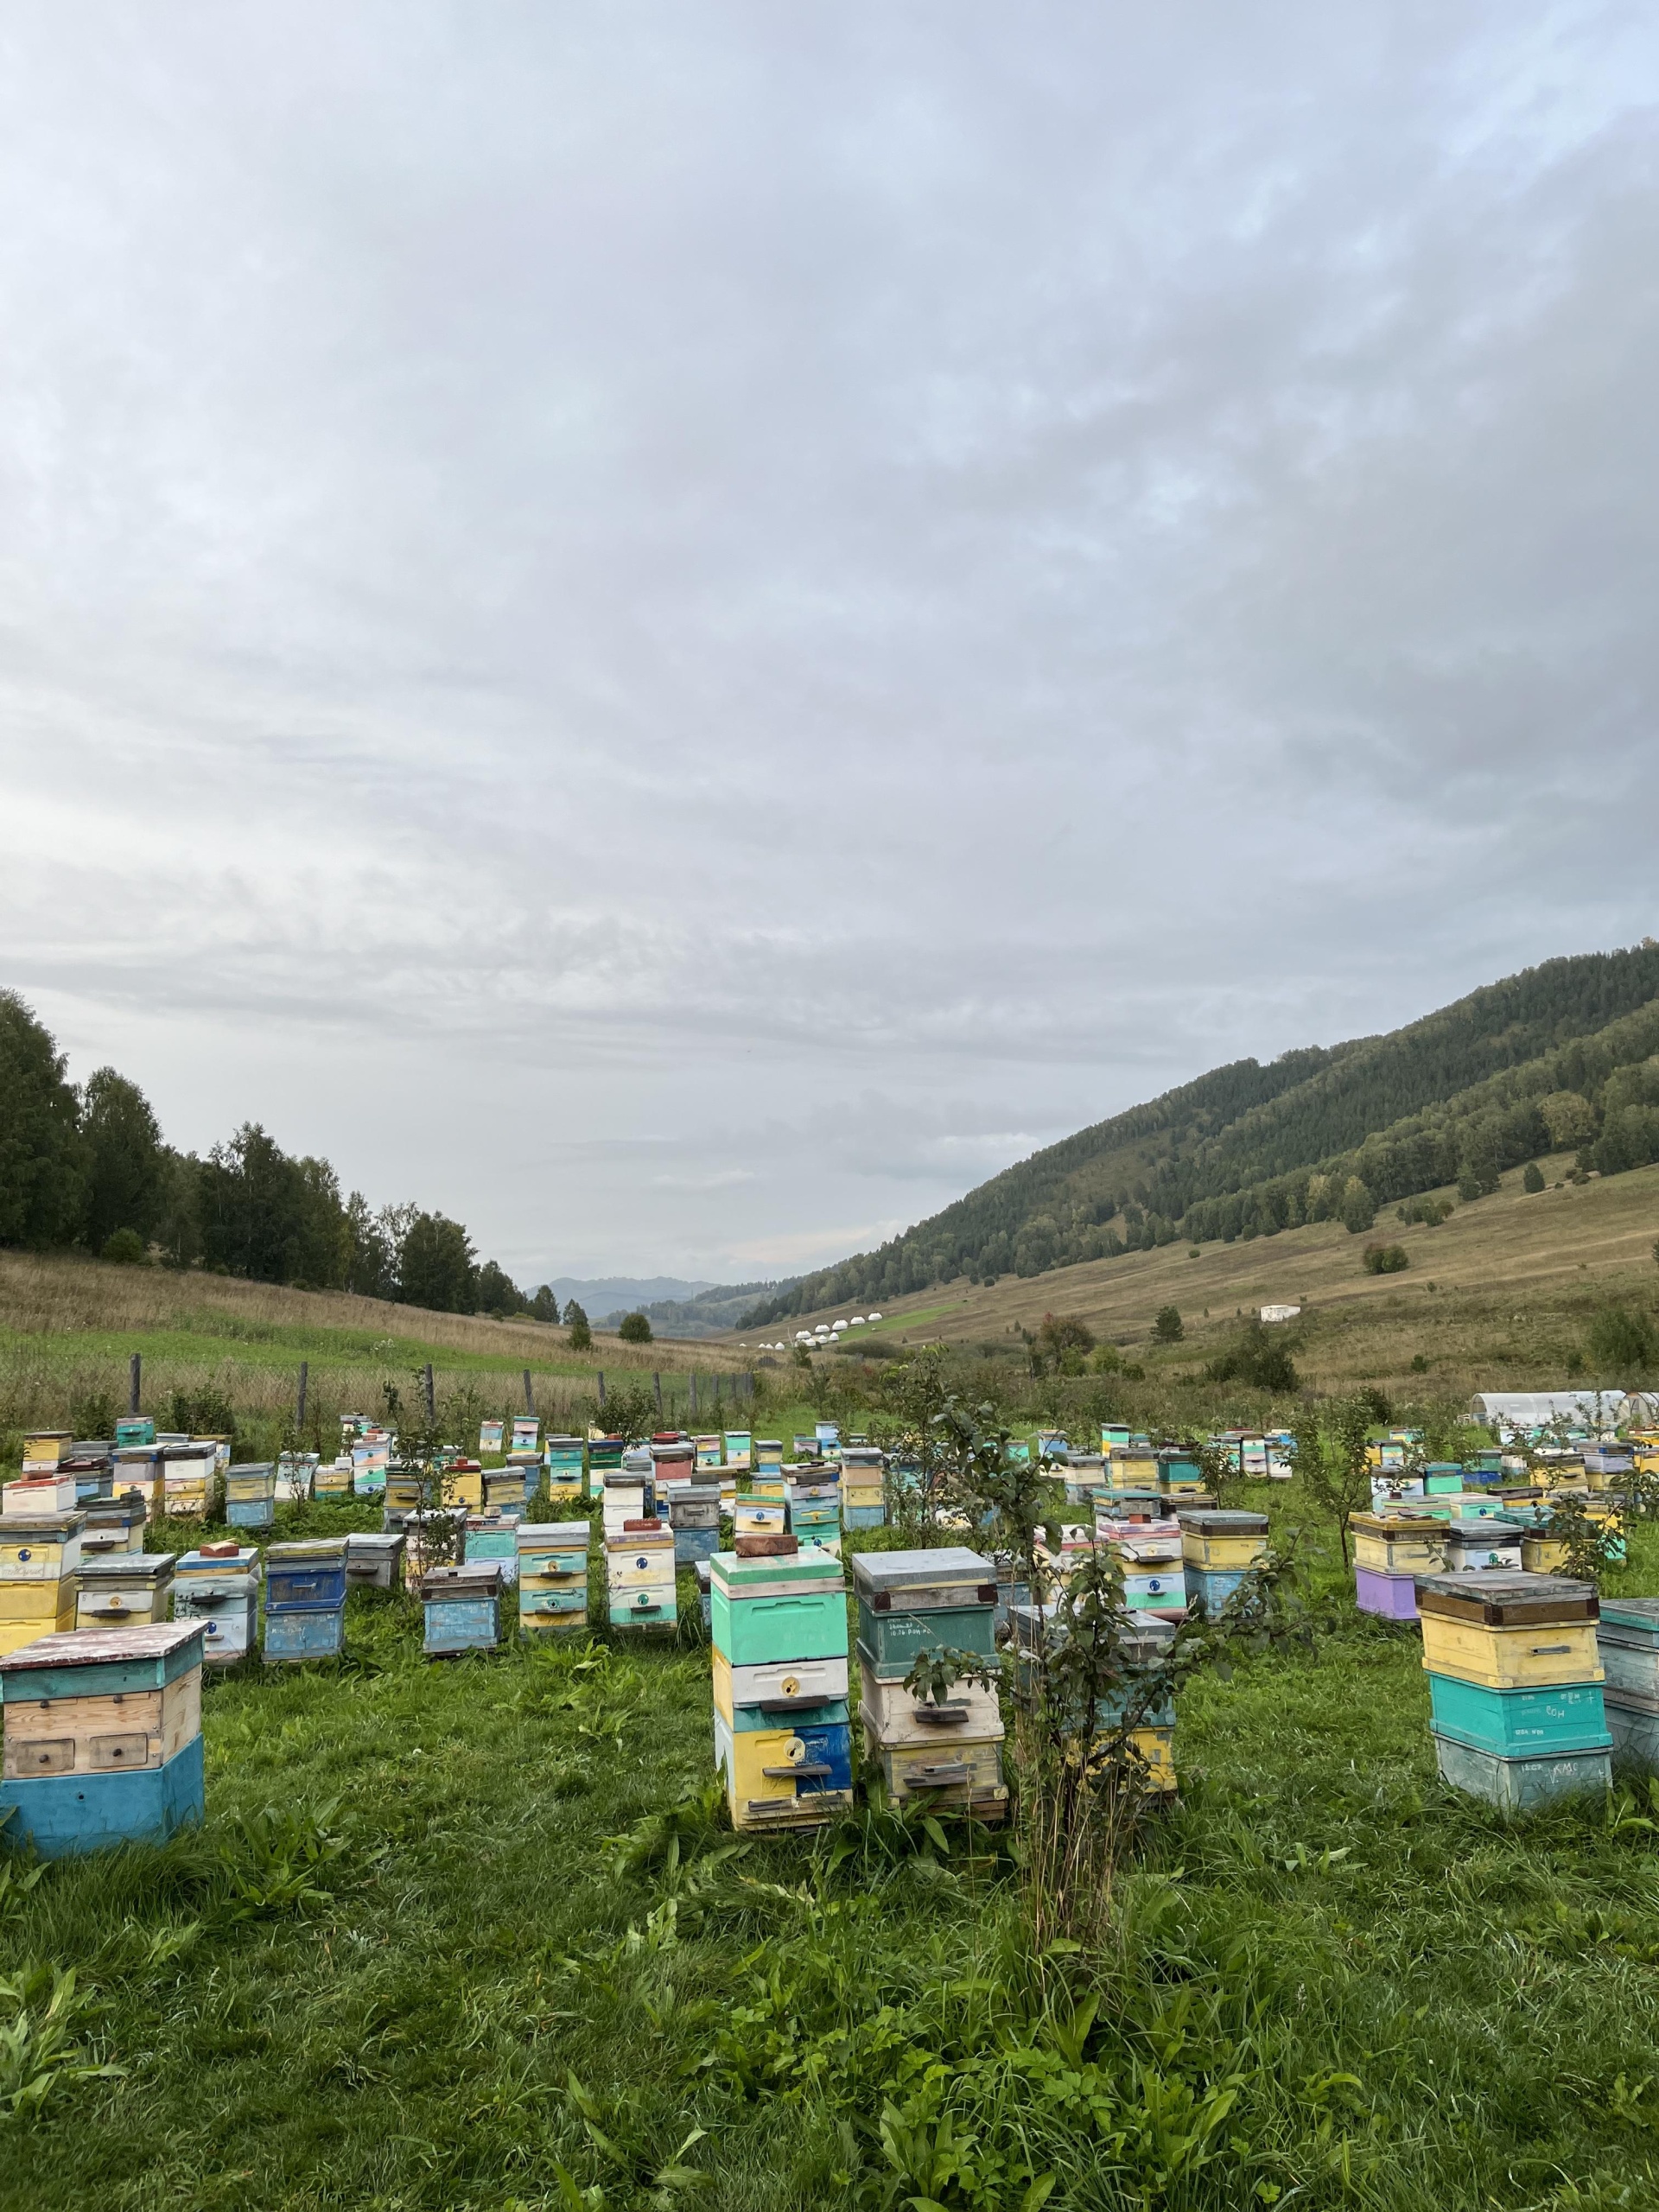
column 1328, row 1451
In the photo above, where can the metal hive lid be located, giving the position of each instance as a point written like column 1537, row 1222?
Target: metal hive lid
column 875, row 1571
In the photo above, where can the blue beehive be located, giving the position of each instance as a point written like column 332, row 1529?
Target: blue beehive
column 102, row 1737
column 694, row 1515
column 462, row 1607
column 305, row 1599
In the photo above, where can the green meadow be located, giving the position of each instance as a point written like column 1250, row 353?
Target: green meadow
column 476, row 1934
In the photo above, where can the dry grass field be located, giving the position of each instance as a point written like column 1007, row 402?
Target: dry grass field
column 1498, row 1297
column 68, row 1327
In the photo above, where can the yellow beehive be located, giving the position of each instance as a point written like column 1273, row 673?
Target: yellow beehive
column 1531, row 1656
column 1386, row 1546
column 465, row 1486
column 1201, row 1550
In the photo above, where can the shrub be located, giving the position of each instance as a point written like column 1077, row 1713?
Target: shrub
column 1430, row 1211
column 1533, row 1176
column 1168, row 1327
column 581, row 1333
column 1359, row 1207
column 1386, row 1258
column 1623, row 1342
column 125, row 1247
column 1419, row 1363
column 1263, row 1360
column 634, row 1329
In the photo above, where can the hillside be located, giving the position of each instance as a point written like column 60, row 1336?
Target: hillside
column 1497, row 1296
column 1564, row 1054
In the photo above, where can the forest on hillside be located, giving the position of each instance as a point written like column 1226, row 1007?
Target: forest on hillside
column 1561, row 1057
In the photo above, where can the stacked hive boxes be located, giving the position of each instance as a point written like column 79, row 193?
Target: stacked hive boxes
column 134, row 1429
column 45, row 1451
column 1514, row 1685
column 460, row 1608
column 493, row 1541
column 505, row 1489
column 552, row 1576
column 694, row 1516
column 527, row 1434
column 435, row 1539
column 1145, row 1537
column 113, row 1525
column 305, row 1599
column 673, row 1464
column 863, row 1497
column 1391, row 1550
column 708, row 1449
column 630, row 1495
column 604, row 1455
column 1218, row 1551
column 813, row 1498
column 187, row 1472
column 463, row 1486
column 332, row 1478
column 251, row 1495
column 1627, row 1637
column 370, row 1459
column 123, row 1589
column 102, row 1738
column 1148, row 1710
column 1085, row 1479
column 566, row 1484
column 1132, row 1467
column 226, row 1606
column 783, row 1740
column 639, row 1575
column 766, row 1468
column 910, row 1603
column 92, row 1467
column 296, row 1473
column 755, row 1515
column 137, row 1471
column 226, row 1558
column 1181, row 1475
column 740, row 1450
column 40, row 1563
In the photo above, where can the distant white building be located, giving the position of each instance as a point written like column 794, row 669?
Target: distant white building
column 874, row 1316
column 1280, row 1312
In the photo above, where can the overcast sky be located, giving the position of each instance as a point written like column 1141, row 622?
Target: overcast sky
column 679, row 630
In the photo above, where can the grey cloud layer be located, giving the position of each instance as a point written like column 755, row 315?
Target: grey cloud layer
column 683, row 628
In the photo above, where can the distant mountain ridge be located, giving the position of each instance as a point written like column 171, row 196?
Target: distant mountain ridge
column 598, row 1294
column 1562, row 1055
column 718, row 1308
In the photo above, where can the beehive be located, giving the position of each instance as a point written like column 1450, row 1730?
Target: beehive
column 134, row 1429
column 629, row 1496
column 494, row 1541
column 814, row 1510
column 913, row 1601
column 783, row 1740
column 506, row 1488
column 567, row 1483
column 113, row 1525
column 740, row 1449
column 1142, row 1709
column 102, row 1735
column 333, row 1477
column 53, row 1492
column 305, row 1599
column 1180, row 1473
column 1515, row 1686
column 552, row 1576
column 1481, row 1546
column 296, row 1473
column 124, row 1589
column 709, row 1450
column 39, row 1563
column 226, row 1557
column 1210, row 1538
column 375, row 1562
column 251, row 1495
column 187, row 1471
column 639, row 1576
column 694, row 1516
column 226, row 1606
column 1627, row 1637
column 460, row 1608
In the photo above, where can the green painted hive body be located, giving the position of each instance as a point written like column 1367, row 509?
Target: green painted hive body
column 765, row 1609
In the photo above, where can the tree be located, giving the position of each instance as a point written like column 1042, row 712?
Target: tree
column 544, row 1306
column 1359, row 1207
column 126, row 1160
column 1263, row 1360
column 629, row 1411
column 1061, row 1344
column 497, row 1293
column 125, row 1248
column 1386, row 1258
column 436, row 1266
column 269, row 1217
column 1329, row 1456
column 42, row 1185
column 634, row 1329
column 581, row 1334
column 1623, row 1343
column 1532, row 1178
column 1167, row 1326
column 373, row 1245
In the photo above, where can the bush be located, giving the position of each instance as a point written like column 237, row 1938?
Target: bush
column 1386, row 1258
column 125, row 1247
column 581, row 1333
column 1431, row 1212
column 1359, row 1207
column 1623, row 1342
column 1168, row 1327
column 1533, row 1176
column 1263, row 1360
column 634, row 1329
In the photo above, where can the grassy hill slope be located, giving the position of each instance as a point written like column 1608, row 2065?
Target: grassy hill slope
column 1498, row 1296
column 1566, row 1053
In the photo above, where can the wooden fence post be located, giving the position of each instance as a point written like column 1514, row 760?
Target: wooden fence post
column 529, row 1395
column 600, row 1373
column 656, row 1381
column 135, row 1376
column 305, row 1379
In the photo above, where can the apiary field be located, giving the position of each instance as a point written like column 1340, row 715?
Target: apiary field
column 476, row 1934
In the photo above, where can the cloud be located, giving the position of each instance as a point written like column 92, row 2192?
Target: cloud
column 650, row 623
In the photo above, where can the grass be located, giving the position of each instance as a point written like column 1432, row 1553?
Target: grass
column 403, row 1967
column 1498, row 1297
column 69, row 1326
